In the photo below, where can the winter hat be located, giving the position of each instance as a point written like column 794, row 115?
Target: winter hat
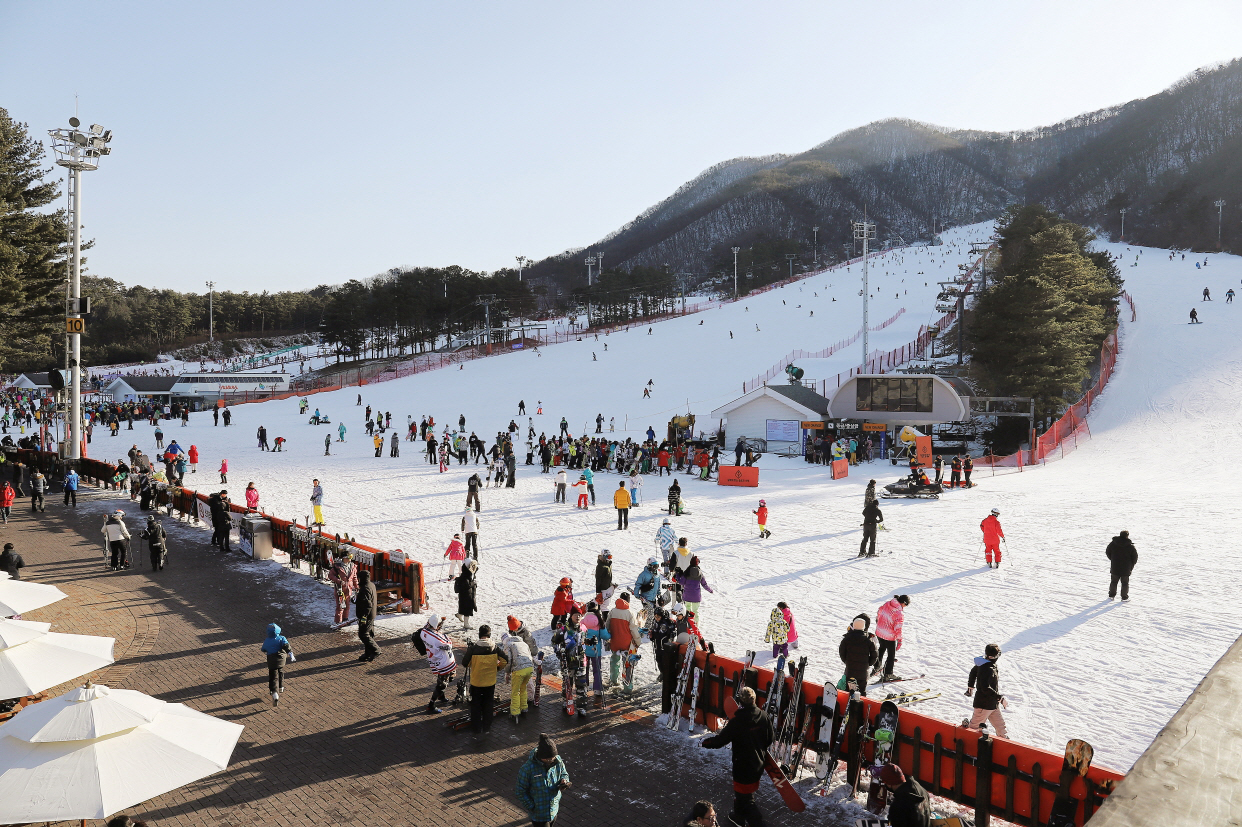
column 433, row 621
column 892, row 776
column 694, row 561
column 992, row 650
column 546, row 748
column 514, row 623
column 364, row 576
column 1125, row 534
column 590, row 621
column 666, row 522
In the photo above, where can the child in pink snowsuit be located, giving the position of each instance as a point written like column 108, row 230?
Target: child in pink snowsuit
column 789, row 618
column 456, row 553
column 224, row 470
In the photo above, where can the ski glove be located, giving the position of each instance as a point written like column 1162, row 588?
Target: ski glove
column 970, row 692
column 293, row 658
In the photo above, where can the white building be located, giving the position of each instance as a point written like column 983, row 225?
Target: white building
column 774, row 413
column 902, row 399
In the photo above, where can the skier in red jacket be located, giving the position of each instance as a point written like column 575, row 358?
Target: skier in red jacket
column 992, row 535
column 562, row 602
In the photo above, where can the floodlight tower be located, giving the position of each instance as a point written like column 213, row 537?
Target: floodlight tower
column 590, row 262
column 521, row 260
column 1123, row 224
column 599, row 261
column 1220, row 216
column 79, row 152
column 815, row 245
column 211, row 315
column 864, row 231
column 736, row 250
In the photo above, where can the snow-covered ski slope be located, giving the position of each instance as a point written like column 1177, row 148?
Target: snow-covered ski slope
column 1074, row 664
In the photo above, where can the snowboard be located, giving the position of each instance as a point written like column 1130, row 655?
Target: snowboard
column 1078, row 755
column 627, row 671
column 790, row 796
column 884, row 733
column 730, row 702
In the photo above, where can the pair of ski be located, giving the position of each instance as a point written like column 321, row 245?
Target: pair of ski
column 776, row 771
column 684, row 681
column 785, row 723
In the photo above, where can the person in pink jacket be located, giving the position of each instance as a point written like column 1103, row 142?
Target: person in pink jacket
column 456, row 553
column 252, row 497
column 224, row 470
column 789, row 618
column 888, row 623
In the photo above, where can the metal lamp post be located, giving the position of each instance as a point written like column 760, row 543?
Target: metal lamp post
column 79, row 152
column 815, row 245
column 736, row 250
column 1220, row 216
column 864, row 231
column 590, row 262
column 521, row 260
column 1123, row 224
column 211, row 314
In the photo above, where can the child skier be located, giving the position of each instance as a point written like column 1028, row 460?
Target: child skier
column 992, row 536
column 778, row 633
column 787, row 613
column 988, row 701
column 762, row 513
column 582, row 495
column 276, row 647
column 562, row 602
column 224, row 471
column 456, row 553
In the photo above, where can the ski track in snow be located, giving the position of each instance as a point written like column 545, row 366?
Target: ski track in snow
column 1075, row 665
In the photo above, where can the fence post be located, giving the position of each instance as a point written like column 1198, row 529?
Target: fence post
column 983, row 782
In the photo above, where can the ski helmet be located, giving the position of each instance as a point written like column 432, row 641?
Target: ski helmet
column 651, row 561
column 992, row 650
column 995, row 512
column 763, row 502
column 666, row 522
column 565, row 581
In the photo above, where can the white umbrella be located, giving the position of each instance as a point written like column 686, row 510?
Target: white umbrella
column 33, row 659
column 17, row 597
column 95, row 751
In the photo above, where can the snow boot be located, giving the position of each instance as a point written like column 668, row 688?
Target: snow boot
column 275, row 699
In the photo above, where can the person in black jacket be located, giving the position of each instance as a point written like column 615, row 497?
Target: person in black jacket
column 464, row 586
column 1122, row 556
column 871, row 517
column 909, row 805
column 472, row 490
column 157, row 542
column 365, row 610
column 858, row 653
column 750, row 732
column 988, row 699
column 11, row 561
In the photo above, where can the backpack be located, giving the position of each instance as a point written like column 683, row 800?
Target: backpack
column 419, row 644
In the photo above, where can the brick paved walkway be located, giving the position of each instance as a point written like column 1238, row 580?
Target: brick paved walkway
column 349, row 744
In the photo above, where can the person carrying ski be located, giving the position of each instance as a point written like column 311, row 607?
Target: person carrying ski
column 666, row 539
column 1122, row 556
column 540, row 782
column 858, row 653
column 778, row 633
column 624, row 633
column 562, row 602
column 762, row 513
column 750, row 732
column 872, row 517
column 344, row 578
column 439, row 652
column 988, row 699
column 276, row 648
column 992, row 536
column 888, row 622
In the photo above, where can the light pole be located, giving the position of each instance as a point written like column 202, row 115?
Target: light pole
column 521, row 260
column 599, row 261
column 864, row 231
column 1123, row 224
column 790, row 258
column 736, row 250
column 590, row 261
column 79, row 152
column 211, row 316
column 816, row 244
column 1220, row 215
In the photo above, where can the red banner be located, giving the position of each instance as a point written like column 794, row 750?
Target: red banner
column 738, row 475
column 923, row 451
column 840, row 469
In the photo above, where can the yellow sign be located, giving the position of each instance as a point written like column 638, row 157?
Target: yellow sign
column 812, row 426
column 73, row 325
column 874, row 426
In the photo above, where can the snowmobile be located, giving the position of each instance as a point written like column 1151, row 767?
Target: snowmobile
column 909, row 488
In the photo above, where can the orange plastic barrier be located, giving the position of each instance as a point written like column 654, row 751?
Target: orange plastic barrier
column 738, row 475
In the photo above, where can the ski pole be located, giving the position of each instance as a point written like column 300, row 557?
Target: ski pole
column 1006, row 542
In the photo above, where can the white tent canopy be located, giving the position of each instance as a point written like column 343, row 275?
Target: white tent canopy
column 33, row 659
column 53, row 768
column 17, row 597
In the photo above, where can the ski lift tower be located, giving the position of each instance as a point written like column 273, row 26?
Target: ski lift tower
column 864, row 231
column 78, row 152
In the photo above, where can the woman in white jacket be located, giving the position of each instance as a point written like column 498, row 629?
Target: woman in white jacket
column 116, row 540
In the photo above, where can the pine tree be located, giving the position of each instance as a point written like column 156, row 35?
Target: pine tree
column 32, row 248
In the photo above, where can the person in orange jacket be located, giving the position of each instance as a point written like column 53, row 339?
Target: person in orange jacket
column 992, row 535
column 762, row 513
column 562, row 602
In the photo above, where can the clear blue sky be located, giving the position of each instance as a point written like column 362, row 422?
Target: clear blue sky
column 280, row 145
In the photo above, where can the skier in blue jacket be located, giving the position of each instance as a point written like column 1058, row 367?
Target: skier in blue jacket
column 276, row 647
